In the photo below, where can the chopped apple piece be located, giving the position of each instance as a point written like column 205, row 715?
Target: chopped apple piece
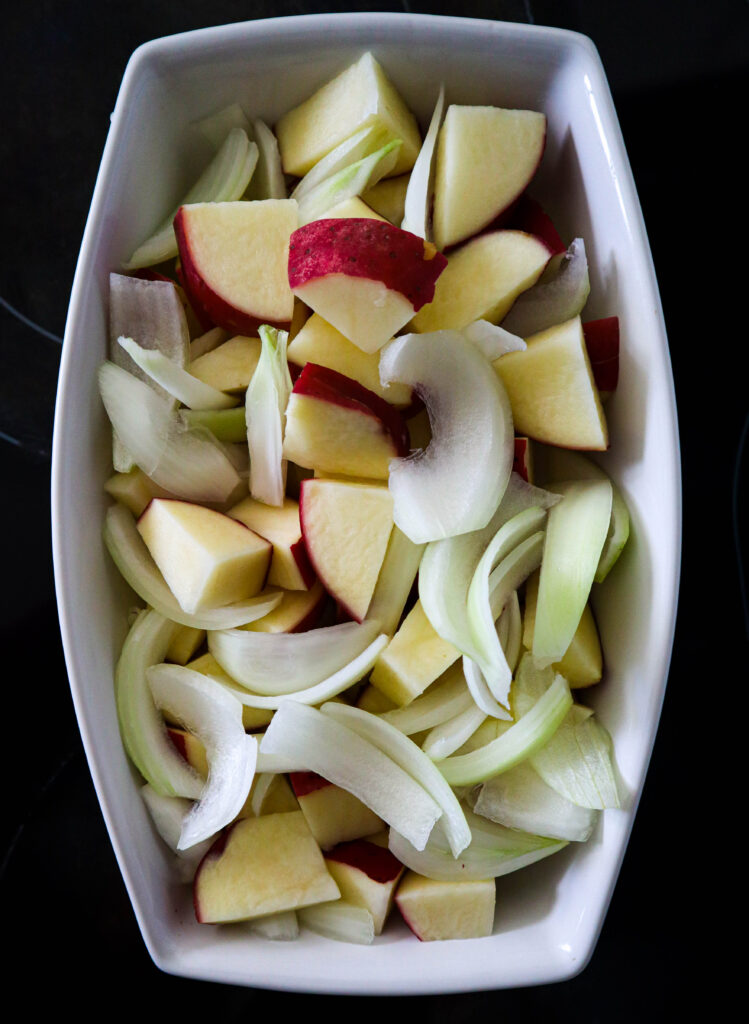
column 582, row 664
column 134, row 490
column 522, row 463
column 374, row 700
column 336, row 426
column 552, row 391
column 233, row 261
column 446, row 910
column 207, row 559
column 189, row 747
column 367, row 874
column 297, row 611
column 602, row 343
column 230, row 366
column 353, row 207
column 333, row 814
column 388, row 197
column 482, row 280
column 261, row 866
column 252, row 718
column 414, row 658
column 184, row 643
column 290, row 567
column 364, row 276
column 346, row 529
column 361, row 95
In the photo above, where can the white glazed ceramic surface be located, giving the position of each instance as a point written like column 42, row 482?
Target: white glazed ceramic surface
column 549, row 916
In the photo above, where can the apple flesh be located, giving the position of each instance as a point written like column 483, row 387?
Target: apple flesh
column 482, row 279
column 364, row 276
column 486, row 156
column 334, row 425
column 233, row 260
column 415, row 657
column 261, row 866
column 346, row 528
column 297, row 611
column 333, row 814
column 134, row 490
column 229, row 366
column 436, row 910
column 186, row 640
column 552, row 391
column 207, row 559
column 388, row 198
column 367, row 875
column 352, row 208
column 290, row 566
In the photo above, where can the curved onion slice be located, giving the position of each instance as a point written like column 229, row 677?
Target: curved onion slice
column 411, row 759
column 308, row 737
column 395, row 581
column 167, row 814
column 363, row 143
column 349, row 182
column 559, row 295
column 510, row 633
column 268, row 180
column 227, row 425
column 265, row 410
column 143, row 731
column 420, row 184
column 175, row 380
column 209, row 712
column 531, row 732
column 276, row 664
column 442, row 701
column 492, row 340
column 133, row 559
column 280, row 927
column 339, row 920
column 454, row 485
column 189, row 463
column 448, row 737
column 223, row 180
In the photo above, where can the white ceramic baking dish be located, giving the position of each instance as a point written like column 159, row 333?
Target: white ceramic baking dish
column 549, row 916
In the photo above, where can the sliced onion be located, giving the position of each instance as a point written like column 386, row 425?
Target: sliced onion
column 268, row 181
column 349, row 182
column 275, row 664
column 309, row 738
column 443, row 700
column 454, row 485
column 362, row 144
column 411, row 759
column 216, row 126
column 265, row 410
column 339, row 920
column 280, row 927
column 188, row 463
column 224, row 180
column 168, row 814
column 416, row 213
column 133, row 559
column 210, row 713
column 493, row 341
column 448, row 737
column 180, row 384
column 559, row 295
column 227, row 425
column 142, row 728
column 395, row 581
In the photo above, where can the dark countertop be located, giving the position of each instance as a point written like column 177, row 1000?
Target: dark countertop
column 678, row 73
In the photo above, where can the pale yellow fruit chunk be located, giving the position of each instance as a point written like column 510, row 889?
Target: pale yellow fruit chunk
column 353, row 207
column 582, row 664
column 388, row 198
column 134, row 490
column 230, row 366
column 436, row 910
column 414, row 658
column 279, row 525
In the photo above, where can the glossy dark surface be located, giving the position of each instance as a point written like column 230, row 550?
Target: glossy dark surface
column 678, row 73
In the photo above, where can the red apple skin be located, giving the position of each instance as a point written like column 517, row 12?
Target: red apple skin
column 377, row 862
column 303, row 564
column 178, row 740
column 528, row 215
column 521, row 458
column 602, row 343
column 304, row 783
column 205, row 301
column 361, row 247
column 205, row 321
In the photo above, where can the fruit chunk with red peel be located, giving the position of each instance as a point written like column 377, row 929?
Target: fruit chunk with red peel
column 346, row 528
column 522, row 462
column 365, row 277
column 335, row 425
column 486, row 156
column 290, row 566
column 482, row 279
column 261, row 866
column 190, row 748
column 297, row 611
column 320, row 343
column 552, row 391
column 333, row 814
column 207, row 559
column 602, row 343
column 528, row 215
column 367, row 874
column 435, row 910
column 233, row 260
column 229, row 366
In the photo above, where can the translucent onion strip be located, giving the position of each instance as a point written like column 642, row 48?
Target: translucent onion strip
column 180, row 384
column 280, row 927
column 444, row 699
column 445, row 739
column 227, row 425
column 349, row 182
column 268, row 180
column 559, row 295
column 308, row 737
column 362, row 144
column 339, row 920
column 168, row 814
column 133, row 559
column 418, row 202
column 492, row 340
column 214, row 717
column 265, row 411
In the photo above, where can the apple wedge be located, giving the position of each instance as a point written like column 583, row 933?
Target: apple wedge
column 346, row 529
column 435, row 910
column 298, row 611
column 414, row 658
column 333, row 814
column 367, row 875
column 233, row 261
column 360, row 96
column 336, row 426
column 364, row 276
column 388, row 198
column 552, row 390
column 134, row 490
column 602, row 343
column 261, row 866
column 207, row 559
column 482, row 279
column 486, row 157
column 290, row 566
column 229, row 366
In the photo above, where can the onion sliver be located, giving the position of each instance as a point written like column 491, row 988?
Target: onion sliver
column 175, row 380
column 168, row 814
column 143, row 731
column 411, row 759
column 492, row 340
column 227, row 425
column 559, row 295
column 309, row 738
column 339, row 920
column 276, row 664
column 133, row 559
column 533, row 730
column 188, row 462
column 336, row 683
column 268, row 180
column 349, row 182
column 448, row 737
column 395, row 581
column 575, row 534
column 420, row 183
column 265, row 411
column 444, row 699
column 363, row 143
column 207, row 710
column 454, row 485
column 280, row 927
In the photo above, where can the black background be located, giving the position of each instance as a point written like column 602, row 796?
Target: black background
column 678, row 73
